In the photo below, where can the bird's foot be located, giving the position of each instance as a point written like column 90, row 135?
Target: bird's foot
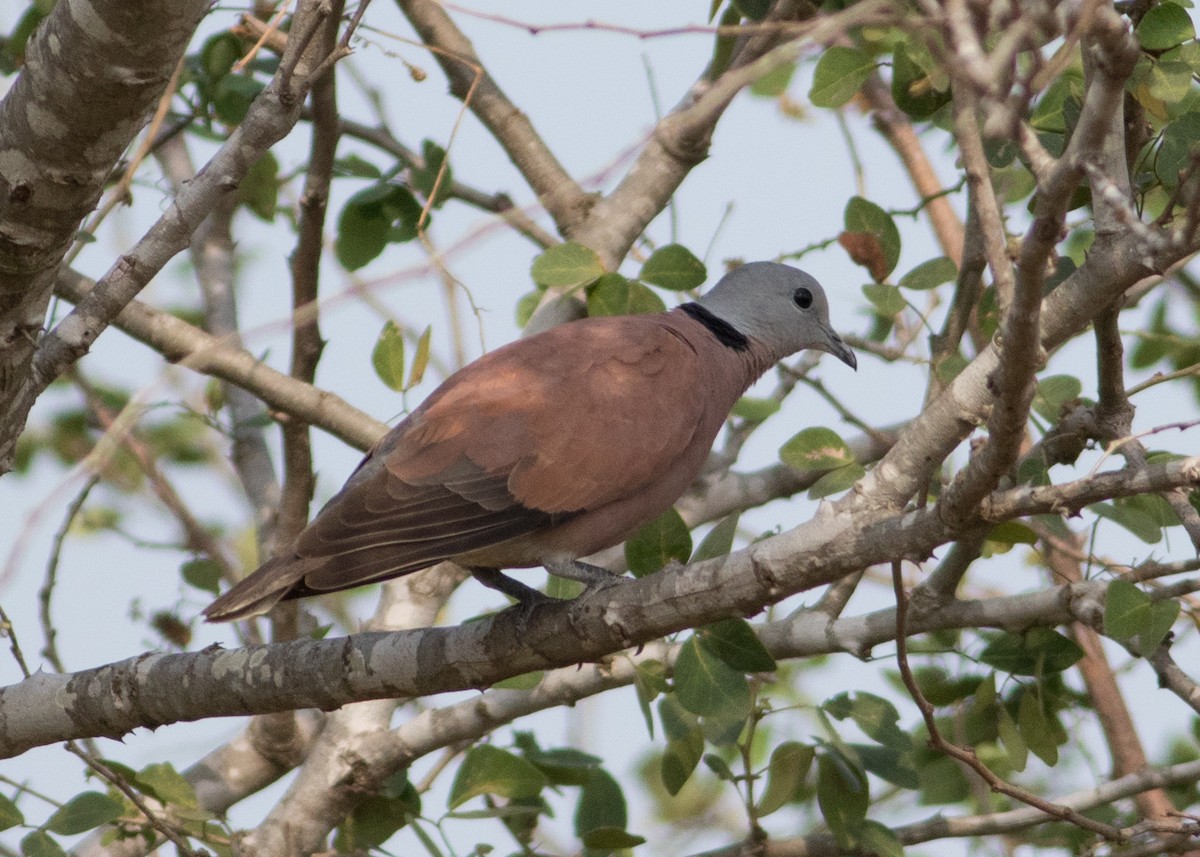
column 524, row 595
column 591, row 576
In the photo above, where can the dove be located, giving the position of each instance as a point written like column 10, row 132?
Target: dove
column 550, row 448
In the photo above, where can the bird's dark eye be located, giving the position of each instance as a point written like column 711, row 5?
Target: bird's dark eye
column 802, row 297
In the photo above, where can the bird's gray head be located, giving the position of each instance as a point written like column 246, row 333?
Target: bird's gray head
column 780, row 306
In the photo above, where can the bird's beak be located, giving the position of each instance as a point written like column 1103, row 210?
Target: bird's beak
column 840, row 350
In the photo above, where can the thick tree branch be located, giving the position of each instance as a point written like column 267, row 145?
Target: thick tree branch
column 681, row 139
column 271, row 116
column 93, row 71
column 325, row 674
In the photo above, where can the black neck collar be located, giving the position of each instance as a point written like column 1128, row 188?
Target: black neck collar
column 726, row 333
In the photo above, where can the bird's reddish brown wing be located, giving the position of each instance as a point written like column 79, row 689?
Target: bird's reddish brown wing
column 379, row 527
column 526, row 437
column 575, row 418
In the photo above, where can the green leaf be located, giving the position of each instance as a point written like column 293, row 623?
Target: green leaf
column 677, row 721
column 681, row 758
column 755, row 10
column 885, row 299
column 372, row 822
column 1012, row 533
column 1010, row 737
column 734, row 642
column 913, row 87
column 1035, row 728
column 889, row 763
column 754, row 409
column 161, row 781
column 1178, row 144
column 1162, row 616
column 611, row 839
column 39, row 844
column 203, row 574
column 1145, row 526
column 864, row 216
column 490, row 770
column 420, row 359
column 842, row 795
column 613, row 294
column 83, row 812
column 388, row 356
column 649, row 680
column 1039, row 651
column 569, row 264
column 674, row 267
column 564, row 766
column 948, row 368
column 524, row 681
column 10, row 814
column 1126, row 610
column 719, row 541
column 219, row 54
column 719, row 767
column 706, row 686
column 942, row 689
column 874, row 715
column 1170, row 80
column 816, row 448
column 836, row 481
column 839, row 74
column 1054, row 392
column 601, row 804
column 527, row 305
column 426, row 177
column 723, row 44
column 875, row 838
column 365, row 224
column 775, row 82
column 930, row 275
column 353, row 166
column 1165, row 26
column 657, row 543
column 233, row 96
column 259, row 189
column 789, row 765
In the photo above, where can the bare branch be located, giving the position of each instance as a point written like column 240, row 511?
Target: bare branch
column 325, row 674
column 221, row 358
column 557, row 191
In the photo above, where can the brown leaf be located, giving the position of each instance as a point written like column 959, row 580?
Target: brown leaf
column 866, row 250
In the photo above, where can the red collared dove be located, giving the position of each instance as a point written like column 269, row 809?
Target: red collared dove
column 552, row 447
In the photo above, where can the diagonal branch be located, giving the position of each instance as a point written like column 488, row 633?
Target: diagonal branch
column 92, row 73
column 221, row 357
column 273, row 113
column 114, row 699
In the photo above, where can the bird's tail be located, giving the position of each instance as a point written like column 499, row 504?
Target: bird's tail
column 257, row 593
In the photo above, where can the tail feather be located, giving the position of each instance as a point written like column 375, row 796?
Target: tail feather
column 260, row 591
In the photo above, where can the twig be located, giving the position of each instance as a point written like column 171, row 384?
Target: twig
column 155, row 820
column 7, row 630
column 268, row 31
column 50, row 649
column 470, row 82
column 1172, row 677
column 966, row 755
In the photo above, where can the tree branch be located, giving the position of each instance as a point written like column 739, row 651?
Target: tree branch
column 325, row 674
column 220, row 357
